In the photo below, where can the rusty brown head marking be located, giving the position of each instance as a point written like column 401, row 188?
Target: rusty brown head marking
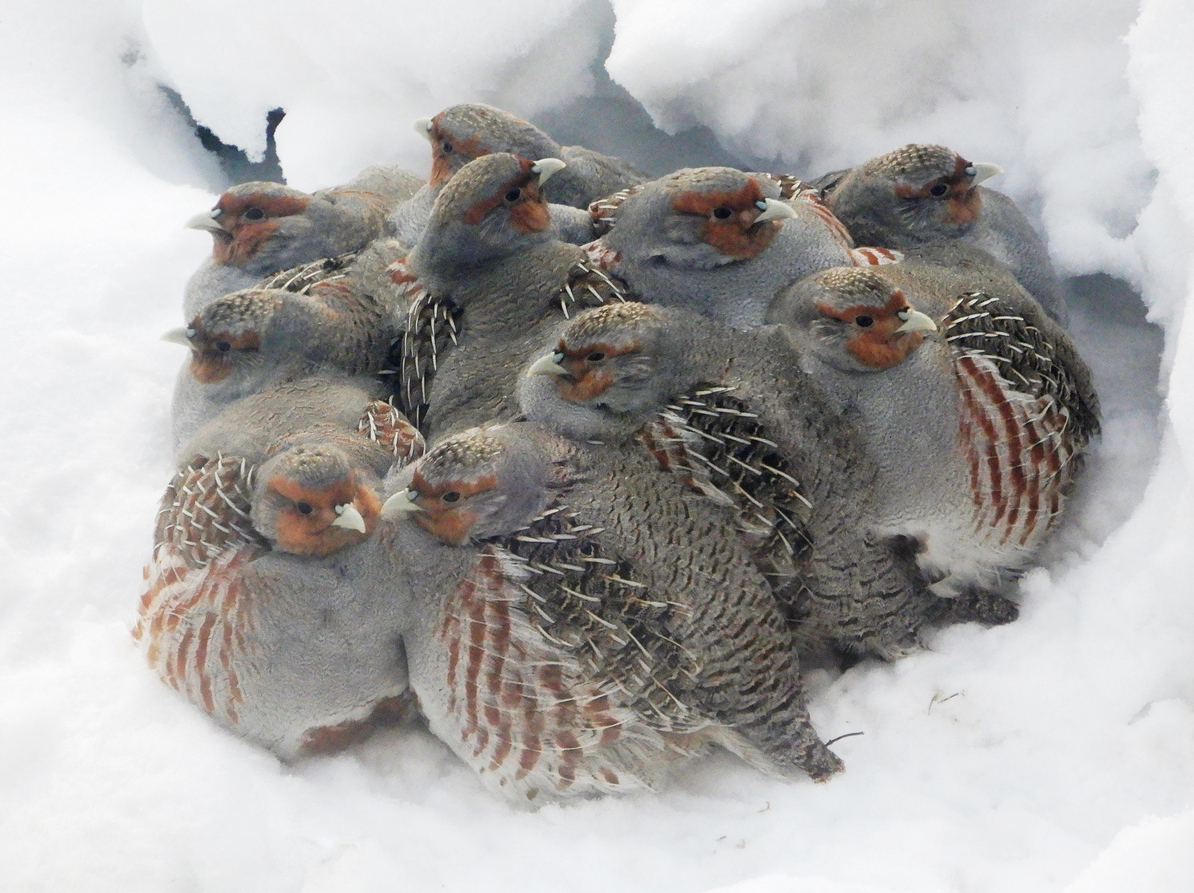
column 249, row 219
column 305, row 526
column 595, row 338
column 940, row 175
column 730, row 218
column 444, row 510
column 587, row 363
column 521, row 195
column 877, row 344
column 451, row 151
column 212, row 354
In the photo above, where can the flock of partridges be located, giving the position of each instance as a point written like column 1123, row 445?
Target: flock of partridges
column 581, row 466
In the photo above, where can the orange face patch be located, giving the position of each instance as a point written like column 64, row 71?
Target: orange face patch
column 962, row 206
column 961, row 201
column 586, row 382
column 530, row 216
column 528, row 209
column 245, row 234
column 210, row 364
column 448, row 520
column 313, row 533
column 879, row 345
column 736, row 233
column 465, row 148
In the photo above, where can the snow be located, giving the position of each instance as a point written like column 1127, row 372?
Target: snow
column 1055, row 754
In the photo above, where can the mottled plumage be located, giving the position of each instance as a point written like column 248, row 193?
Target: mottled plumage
column 261, row 228
column 732, row 416
column 572, row 631
column 339, row 314
column 491, row 281
column 978, row 429
column 256, row 606
column 715, row 240
column 465, row 132
column 922, row 194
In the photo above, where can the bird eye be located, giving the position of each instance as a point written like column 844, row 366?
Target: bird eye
column 304, row 508
column 596, row 356
column 223, row 346
column 514, row 194
column 723, row 213
column 864, row 321
column 254, row 214
column 446, row 147
column 451, row 496
column 939, row 190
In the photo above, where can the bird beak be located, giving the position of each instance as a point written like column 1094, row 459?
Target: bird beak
column 422, row 127
column 546, row 168
column 350, row 518
column 773, row 209
column 983, row 171
column 918, row 322
column 205, row 221
column 178, row 336
column 398, row 504
column 547, row 365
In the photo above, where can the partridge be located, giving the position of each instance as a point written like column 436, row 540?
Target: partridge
column 574, row 627
column 406, row 223
column 248, row 340
column 257, row 606
column 922, row 194
column 490, row 281
column 976, row 407
column 462, row 133
column 717, row 241
column 260, row 228
column 732, row 416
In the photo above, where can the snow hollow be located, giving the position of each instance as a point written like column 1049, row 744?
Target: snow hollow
column 1054, row 754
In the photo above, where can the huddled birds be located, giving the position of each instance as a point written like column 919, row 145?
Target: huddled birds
column 582, row 467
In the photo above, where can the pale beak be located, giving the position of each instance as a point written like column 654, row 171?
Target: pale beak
column 398, row 504
column 547, row 365
column 916, row 321
column 350, row 518
column 546, row 168
column 178, row 336
column 205, row 221
column 422, row 127
column 773, row 209
column 983, row 171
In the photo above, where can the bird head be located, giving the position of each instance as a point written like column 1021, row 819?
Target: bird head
column 852, row 318
column 229, row 332
column 248, row 217
column 312, row 499
column 465, row 132
column 492, row 208
column 609, row 370
column 699, row 218
column 472, row 485
column 922, row 192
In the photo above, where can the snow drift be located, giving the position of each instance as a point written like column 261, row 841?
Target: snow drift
column 1053, row 754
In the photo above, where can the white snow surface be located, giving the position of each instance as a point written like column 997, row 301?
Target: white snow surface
column 1054, row 754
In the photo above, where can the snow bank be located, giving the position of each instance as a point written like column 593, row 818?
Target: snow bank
column 1054, row 754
